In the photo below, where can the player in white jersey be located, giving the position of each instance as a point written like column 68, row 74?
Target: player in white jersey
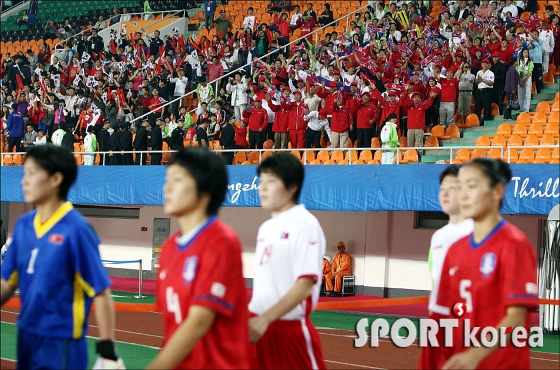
column 288, row 271
column 457, row 228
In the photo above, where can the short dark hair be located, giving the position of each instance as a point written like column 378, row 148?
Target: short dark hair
column 287, row 168
column 53, row 159
column 208, row 172
column 452, row 170
column 496, row 170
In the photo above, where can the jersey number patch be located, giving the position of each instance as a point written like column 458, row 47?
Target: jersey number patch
column 266, row 255
column 31, row 266
column 173, row 306
column 464, row 285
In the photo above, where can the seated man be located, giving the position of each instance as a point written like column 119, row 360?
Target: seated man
column 341, row 266
column 326, row 270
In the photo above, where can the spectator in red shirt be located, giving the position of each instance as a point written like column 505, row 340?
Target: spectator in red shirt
column 449, row 94
column 280, row 125
column 241, row 136
column 417, row 118
column 306, row 25
column 258, row 120
column 296, row 121
column 341, row 123
column 367, row 118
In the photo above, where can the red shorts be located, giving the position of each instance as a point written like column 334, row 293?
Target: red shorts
column 292, row 344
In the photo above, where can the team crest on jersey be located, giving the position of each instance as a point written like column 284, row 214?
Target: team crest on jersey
column 284, row 236
column 189, row 269
column 488, row 264
column 56, row 239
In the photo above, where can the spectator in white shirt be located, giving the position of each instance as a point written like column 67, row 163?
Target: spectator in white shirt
column 41, row 138
column 510, row 7
column 297, row 15
column 125, row 17
column 547, row 38
column 181, row 83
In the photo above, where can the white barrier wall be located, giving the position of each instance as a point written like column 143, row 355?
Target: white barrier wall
column 387, row 251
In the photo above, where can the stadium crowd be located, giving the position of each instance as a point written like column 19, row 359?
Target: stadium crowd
column 394, row 59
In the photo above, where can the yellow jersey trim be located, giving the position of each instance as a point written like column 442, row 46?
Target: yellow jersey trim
column 79, row 304
column 14, row 279
column 42, row 228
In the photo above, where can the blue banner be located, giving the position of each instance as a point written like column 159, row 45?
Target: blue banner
column 534, row 188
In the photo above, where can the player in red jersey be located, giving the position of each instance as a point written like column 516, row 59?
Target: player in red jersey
column 201, row 290
column 492, row 272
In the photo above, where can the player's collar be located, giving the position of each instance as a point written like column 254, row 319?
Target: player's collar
column 42, row 228
column 183, row 241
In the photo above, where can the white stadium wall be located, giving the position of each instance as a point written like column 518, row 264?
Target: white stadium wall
column 389, row 255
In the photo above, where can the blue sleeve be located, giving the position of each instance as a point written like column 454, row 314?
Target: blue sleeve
column 9, row 263
column 10, row 122
column 87, row 261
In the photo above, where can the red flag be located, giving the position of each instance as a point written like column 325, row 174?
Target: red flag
column 167, row 64
column 181, row 61
column 161, row 48
column 94, row 55
column 19, row 83
column 269, row 36
column 248, row 40
column 158, row 67
column 181, row 42
column 120, row 94
column 109, row 94
column 132, row 40
column 43, row 88
column 113, row 47
column 123, row 58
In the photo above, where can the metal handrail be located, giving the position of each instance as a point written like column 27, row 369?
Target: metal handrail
column 304, row 156
column 175, row 11
column 516, row 147
column 231, row 73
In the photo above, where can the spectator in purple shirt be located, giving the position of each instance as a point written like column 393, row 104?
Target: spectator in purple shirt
column 512, row 81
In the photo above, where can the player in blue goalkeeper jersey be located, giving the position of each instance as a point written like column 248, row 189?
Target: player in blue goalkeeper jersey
column 54, row 261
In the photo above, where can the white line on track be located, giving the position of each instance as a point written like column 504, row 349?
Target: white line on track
column 544, row 359
column 132, row 332
column 7, row 359
column 356, row 365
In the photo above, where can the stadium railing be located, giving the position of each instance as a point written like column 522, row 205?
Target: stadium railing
column 306, row 155
column 231, row 73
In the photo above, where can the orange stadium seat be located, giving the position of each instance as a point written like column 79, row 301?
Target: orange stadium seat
column 477, row 153
column 542, row 156
column 308, row 156
column 431, row 142
column 494, row 153
column 410, row 156
column 337, row 155
column 527, row 155
column 315, row 162
column 555, row 156
column 240, row 157
column 7, row 159
column 531, row 140
column 463, row 155
column 452, row 131
column 296, row 153
column 472, row 120
column 403, row 142
column 330, row 162
column 253, row 157
column 536, row 128
column 543, row 107
column 515, row 140
column 351, row 154
column 375, row 143
column 520, row 129
column 547, row 139
column 539, row 117
column 552, row 128
column 483, row 140
column 366, row 156
column 323, row 155
column 524, row 118
column 499, row 140
column 504, row 129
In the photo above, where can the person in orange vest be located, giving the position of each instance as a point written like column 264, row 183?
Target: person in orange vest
column 341, row 266
column 326, row 270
